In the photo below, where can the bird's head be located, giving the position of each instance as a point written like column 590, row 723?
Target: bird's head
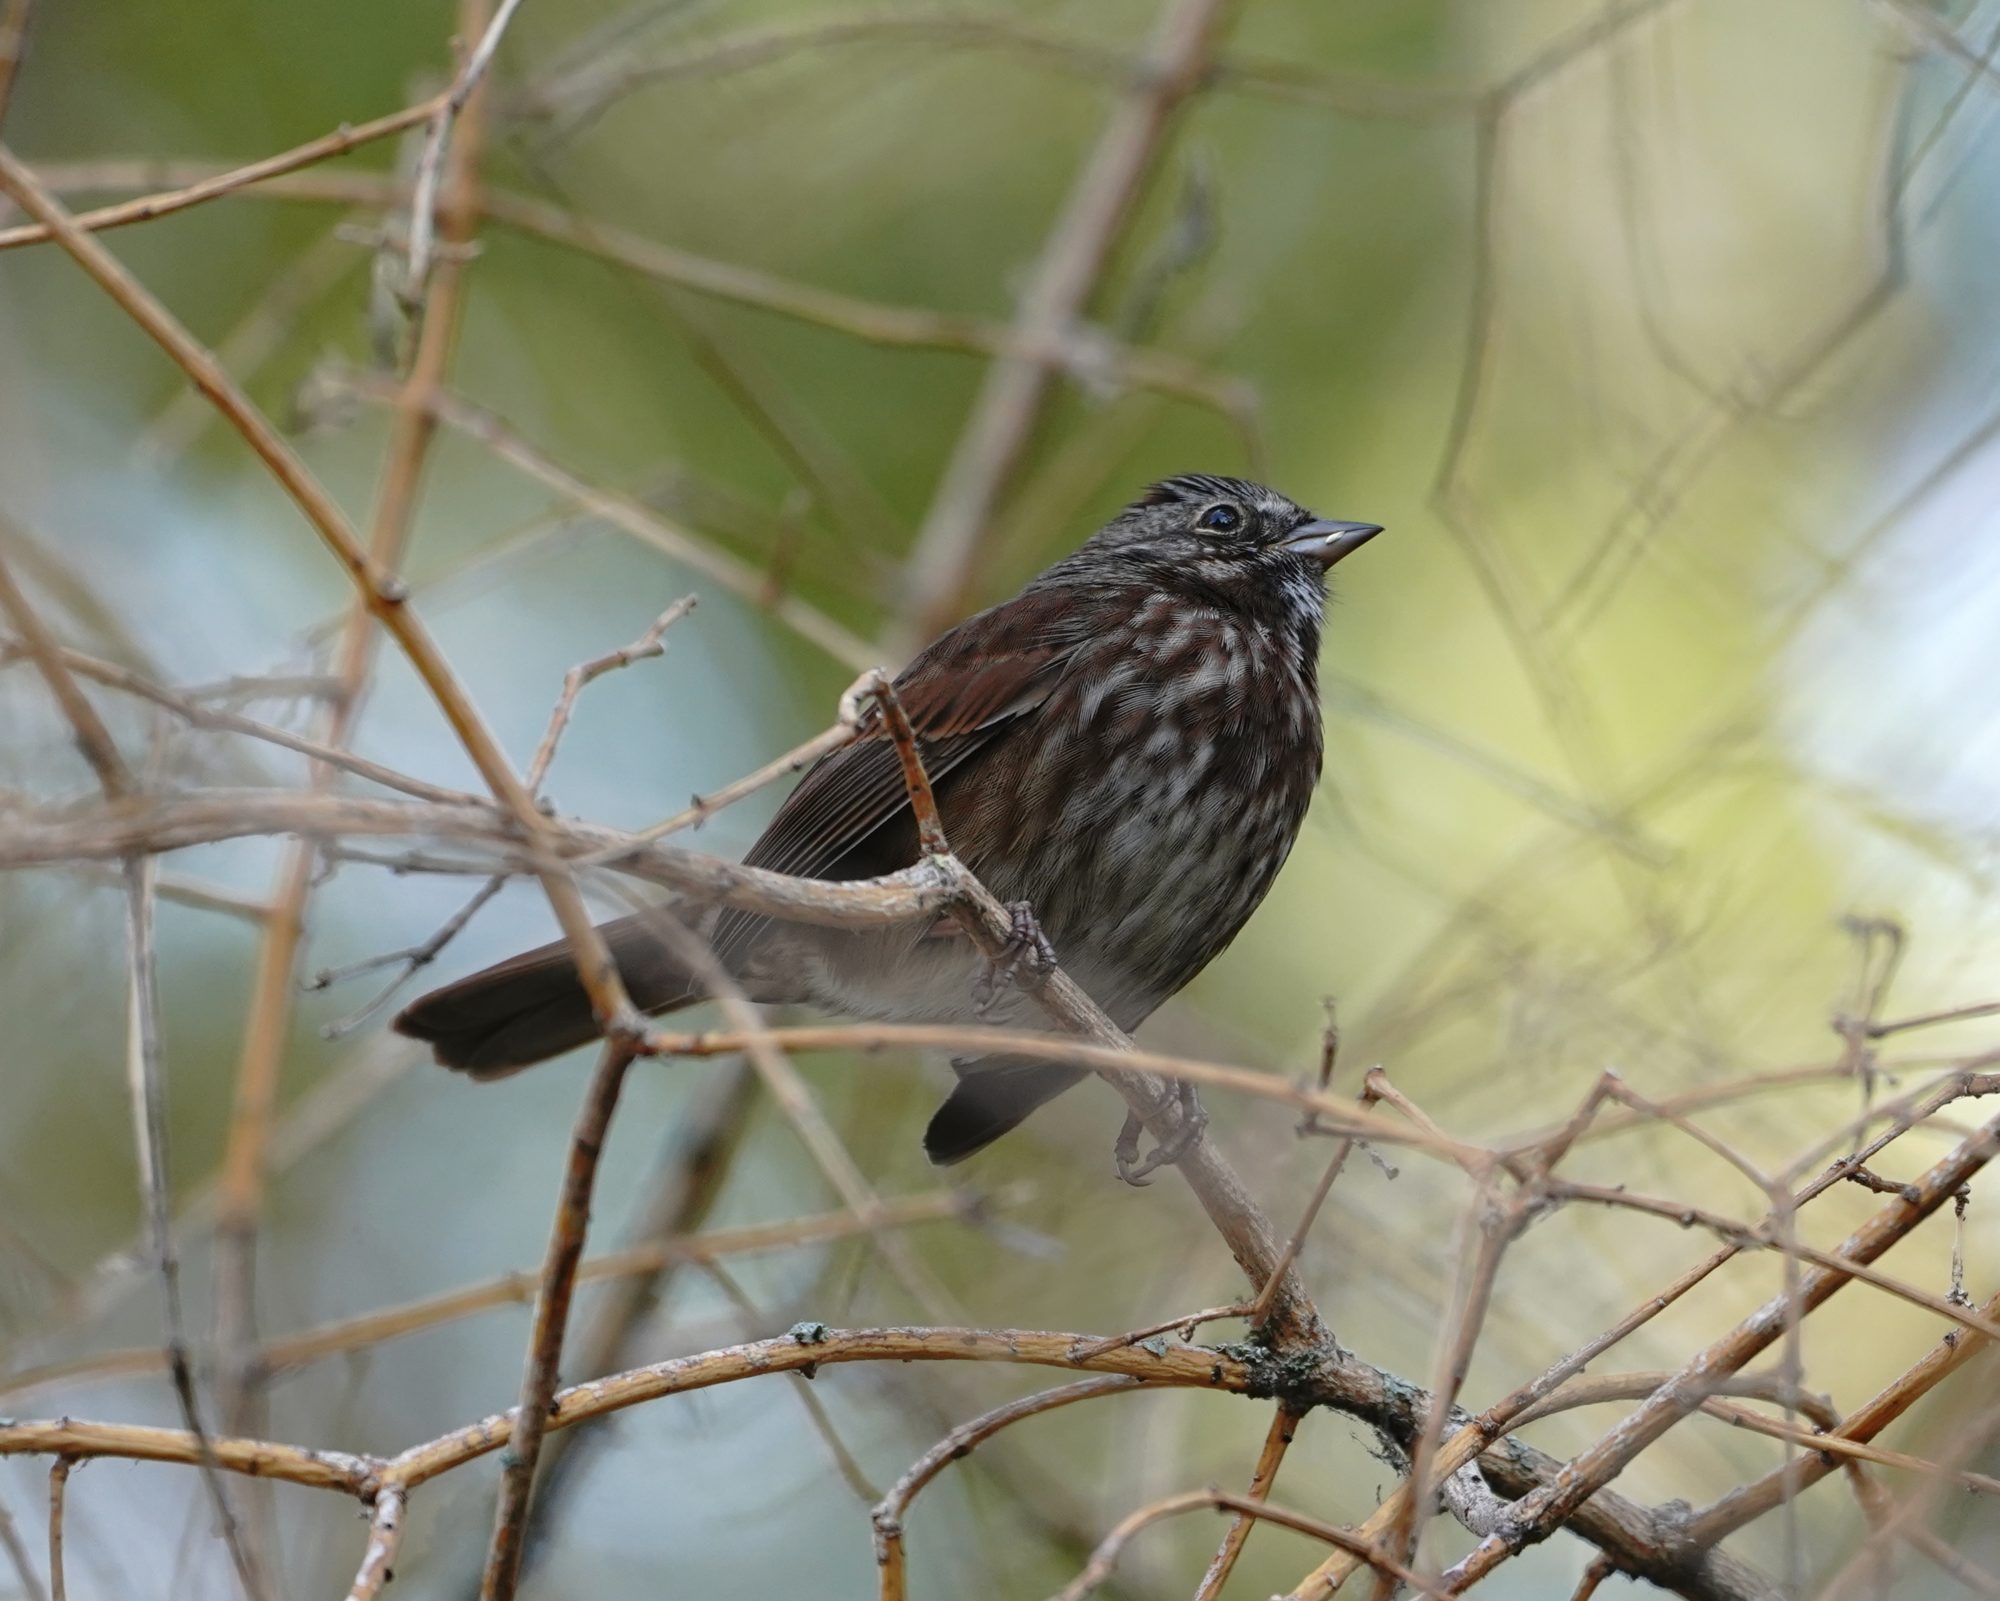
column 1227, row 538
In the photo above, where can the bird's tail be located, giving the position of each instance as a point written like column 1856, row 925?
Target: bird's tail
column 533, row 1006
column 993, row 1095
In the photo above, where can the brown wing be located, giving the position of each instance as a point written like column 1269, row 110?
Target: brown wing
column 850, row 816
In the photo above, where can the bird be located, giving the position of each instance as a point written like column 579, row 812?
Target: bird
column 1124, row 752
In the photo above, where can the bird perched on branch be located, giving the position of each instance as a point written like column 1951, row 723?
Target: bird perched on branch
column 1125, row 750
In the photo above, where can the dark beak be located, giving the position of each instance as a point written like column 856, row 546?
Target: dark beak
column 1327, row 543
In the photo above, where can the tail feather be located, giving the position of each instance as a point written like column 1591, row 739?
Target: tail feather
column 532, row 1006
column 993, row 1095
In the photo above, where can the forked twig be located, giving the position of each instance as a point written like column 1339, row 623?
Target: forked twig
column 648, row 645
column 412, row 959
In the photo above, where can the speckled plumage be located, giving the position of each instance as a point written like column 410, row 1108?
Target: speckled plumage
column 1129, row 745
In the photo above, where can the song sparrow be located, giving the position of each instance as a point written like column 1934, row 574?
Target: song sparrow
column 1128, row 746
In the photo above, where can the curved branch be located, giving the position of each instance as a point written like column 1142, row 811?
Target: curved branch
column 887, row 1516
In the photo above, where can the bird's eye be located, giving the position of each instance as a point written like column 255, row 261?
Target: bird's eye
column 1223, row 518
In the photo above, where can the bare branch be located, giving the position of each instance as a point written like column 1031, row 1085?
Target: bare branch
column 1539, row 1513
column 229, row 180
column 694, row 1163
column 558, row 1284
column 93, row 739
column 58, row 1490
column 641, row 1264
column 1106, row 1555
column 648, row 645
column 385, row 1538
column 147, row 1089
column 889, row 1513
column 430, row 165
column 1284, row 1425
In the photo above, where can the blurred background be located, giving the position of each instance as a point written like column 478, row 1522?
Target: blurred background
column 1661, row 335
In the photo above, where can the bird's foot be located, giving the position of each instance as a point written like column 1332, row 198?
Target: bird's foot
column 1138, row 1171
column 1027, row 948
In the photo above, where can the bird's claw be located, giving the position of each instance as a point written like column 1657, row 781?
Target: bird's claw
column 1138, row 1171
column 1027, row 947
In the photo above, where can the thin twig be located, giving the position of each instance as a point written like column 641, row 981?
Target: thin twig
column 1105, row 1557
column 146, row 1085
column 558, row 1283
column 412, row 959
column 648, row 645
column 186, row 892
column 431, row 163
column 1184, row 1326
column 844, row 1460
column 1955, row 1014
column 630, row 517
column 1295, row 1243
column 887, row 1517
column 196, row 715
column 1492, row 1223
column 1284, row 1425
column 703, row 807
column 916, row 781
column 231, row 179
column 92, row 738
column 694, row 1162
column 58, row 1493
column 643, row 1263
column 16, row 1548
